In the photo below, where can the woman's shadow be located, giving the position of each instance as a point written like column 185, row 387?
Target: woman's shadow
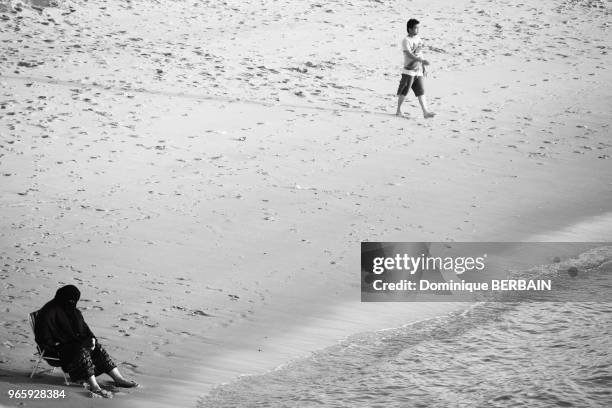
column 18, row 380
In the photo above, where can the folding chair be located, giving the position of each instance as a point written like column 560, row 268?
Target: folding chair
column 40, row 353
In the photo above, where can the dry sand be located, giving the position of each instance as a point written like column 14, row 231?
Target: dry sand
column 205, row 171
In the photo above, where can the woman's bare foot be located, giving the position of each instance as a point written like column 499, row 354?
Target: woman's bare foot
column 120, row 381
column 428, row 115
column 100, row 393
column 123, row 383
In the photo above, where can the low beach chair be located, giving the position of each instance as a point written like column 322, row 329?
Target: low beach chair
column 40, row 353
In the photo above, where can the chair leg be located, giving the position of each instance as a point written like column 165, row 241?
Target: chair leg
column 63, row 373
column 35, row 370
column 36, row 367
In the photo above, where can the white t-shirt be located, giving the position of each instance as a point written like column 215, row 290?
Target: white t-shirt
column 415, row 45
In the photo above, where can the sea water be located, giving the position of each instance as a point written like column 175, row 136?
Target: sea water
column 492, row 354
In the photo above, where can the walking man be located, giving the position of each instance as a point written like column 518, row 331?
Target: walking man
column 413, row 70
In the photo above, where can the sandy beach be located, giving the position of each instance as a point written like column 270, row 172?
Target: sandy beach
column 205, row 171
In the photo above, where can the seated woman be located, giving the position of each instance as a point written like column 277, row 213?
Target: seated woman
column 61, row 331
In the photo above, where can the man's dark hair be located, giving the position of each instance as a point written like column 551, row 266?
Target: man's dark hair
column 411, row 23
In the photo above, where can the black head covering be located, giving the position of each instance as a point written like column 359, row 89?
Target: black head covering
column 68, row 296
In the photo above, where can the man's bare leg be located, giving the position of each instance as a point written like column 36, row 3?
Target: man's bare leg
column 426, row 112
column 120, row 381
column 400, row 97
column 400, row 100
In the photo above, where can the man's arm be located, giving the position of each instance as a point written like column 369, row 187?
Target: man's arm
column 415, row 58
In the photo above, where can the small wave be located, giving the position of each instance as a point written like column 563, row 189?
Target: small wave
column 492, row 354
column 592, row 229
